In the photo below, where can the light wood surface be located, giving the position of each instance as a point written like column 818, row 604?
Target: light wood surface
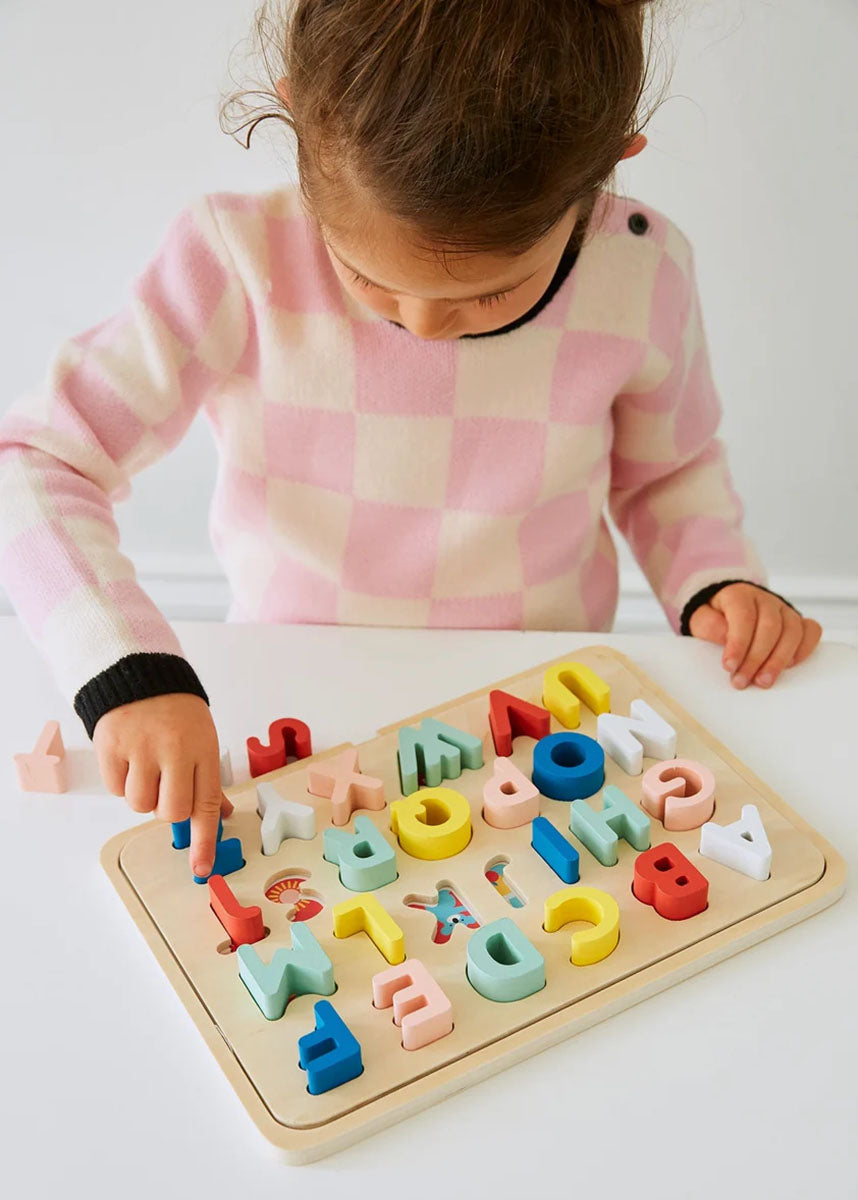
column 260, row 1057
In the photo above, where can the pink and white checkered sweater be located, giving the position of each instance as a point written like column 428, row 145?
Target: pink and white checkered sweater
column 367, row 476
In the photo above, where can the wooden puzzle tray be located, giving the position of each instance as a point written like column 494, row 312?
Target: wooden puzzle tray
column 260, row 1056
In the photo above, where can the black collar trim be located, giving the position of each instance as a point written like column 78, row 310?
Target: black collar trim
column 567, row 262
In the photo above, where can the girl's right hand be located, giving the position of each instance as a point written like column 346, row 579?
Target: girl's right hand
column 162, row 755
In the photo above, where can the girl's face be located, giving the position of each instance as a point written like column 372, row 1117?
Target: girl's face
column 384, row 271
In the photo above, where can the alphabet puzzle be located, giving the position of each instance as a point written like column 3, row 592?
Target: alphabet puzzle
column 400, row 918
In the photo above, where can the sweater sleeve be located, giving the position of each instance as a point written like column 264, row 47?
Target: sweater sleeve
column 115, row 398
column 671, row 493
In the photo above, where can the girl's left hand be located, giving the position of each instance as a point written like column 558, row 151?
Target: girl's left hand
column 760, row 634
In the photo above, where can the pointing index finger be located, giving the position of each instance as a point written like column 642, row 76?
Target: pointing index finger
column 208, row 798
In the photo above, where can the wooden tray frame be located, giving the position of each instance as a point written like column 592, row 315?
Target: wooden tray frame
column 309, row 1144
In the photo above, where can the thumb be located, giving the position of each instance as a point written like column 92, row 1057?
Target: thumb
column 709, row 624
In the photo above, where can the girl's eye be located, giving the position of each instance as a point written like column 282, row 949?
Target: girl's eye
column 483, row 301
column 489, row 301
column 360, row 280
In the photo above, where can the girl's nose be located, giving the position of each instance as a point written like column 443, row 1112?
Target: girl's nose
column 426, row 318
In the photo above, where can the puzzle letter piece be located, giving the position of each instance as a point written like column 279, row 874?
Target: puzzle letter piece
column 509, row 797
column 673, row 886
column 566, row 684
column 600, row 831
column 553, row 848
column 286, row 736
column 433, row 823
column 331, row 1053
column 282, row 818
column 585, row 904
column 365, row 858
column 420, row 1007
column 502, row 964
column 364, row 914
column 438, row 750
column 568, row 766
column 44, row 770
column 742, row 846
column 679, row 793
column 228, row 859
column 303, row 968
column 510, row 717
column 244, row 925
column 344, row 785
column 627, row 739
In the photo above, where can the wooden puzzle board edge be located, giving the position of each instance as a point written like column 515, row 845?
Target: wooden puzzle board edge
column 312, row 1141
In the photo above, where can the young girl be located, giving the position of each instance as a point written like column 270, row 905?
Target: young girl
column 426, row 373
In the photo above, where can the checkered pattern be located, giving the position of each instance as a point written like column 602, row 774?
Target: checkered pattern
column 366, row 476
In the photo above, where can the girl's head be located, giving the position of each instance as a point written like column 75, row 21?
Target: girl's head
column 450, row 150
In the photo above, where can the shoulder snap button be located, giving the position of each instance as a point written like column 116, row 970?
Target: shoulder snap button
column 638, row 223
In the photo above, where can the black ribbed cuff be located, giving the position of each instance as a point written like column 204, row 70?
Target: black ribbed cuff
column 706, row 594
column 135, row 677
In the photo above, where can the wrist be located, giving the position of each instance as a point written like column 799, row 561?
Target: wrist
column 135, row 677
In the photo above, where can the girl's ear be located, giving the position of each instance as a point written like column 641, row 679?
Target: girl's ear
column 636, row 145
column 283, row 92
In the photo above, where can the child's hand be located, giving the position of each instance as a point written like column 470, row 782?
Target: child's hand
column 162, row 754
column 761, row 635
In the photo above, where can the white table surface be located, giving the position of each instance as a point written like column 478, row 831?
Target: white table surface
column 740, row 1082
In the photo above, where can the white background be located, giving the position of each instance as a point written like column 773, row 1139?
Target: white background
column 110, row 127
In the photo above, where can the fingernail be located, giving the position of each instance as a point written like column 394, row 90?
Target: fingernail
column 764, row 680
column 739, row 681
column 730, row 665
column 201, row 869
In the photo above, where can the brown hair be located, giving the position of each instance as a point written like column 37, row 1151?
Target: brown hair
column 477, row 123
